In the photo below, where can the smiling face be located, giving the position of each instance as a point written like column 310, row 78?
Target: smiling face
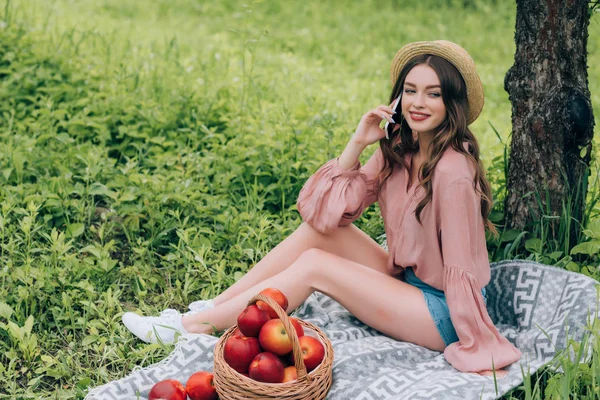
column 422, row 103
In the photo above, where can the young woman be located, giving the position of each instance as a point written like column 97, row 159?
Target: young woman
column 429, row 289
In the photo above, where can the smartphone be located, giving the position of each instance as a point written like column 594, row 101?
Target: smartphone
column 389, row 127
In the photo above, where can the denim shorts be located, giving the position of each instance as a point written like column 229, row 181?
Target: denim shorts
column 438, row 308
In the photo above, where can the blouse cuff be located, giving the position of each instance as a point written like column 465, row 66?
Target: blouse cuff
column 345, row 173
column 332, row 196
column 479, row 343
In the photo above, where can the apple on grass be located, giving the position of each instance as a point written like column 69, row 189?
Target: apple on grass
column 200, row 386
column 313, row 352
column 168, row 389
column 239, row 351
column 266, row 367
column 251, row 320
column 276, row 295
column 274, row 338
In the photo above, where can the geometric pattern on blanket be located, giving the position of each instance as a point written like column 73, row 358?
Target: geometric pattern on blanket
column 524, row 297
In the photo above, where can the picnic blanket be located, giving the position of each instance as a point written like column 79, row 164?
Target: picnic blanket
column 537, row 307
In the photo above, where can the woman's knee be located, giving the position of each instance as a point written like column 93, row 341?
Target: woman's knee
column 321, row 267
column 312, row 256
column 312, row 261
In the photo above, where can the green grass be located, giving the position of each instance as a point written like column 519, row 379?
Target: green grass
column 152, row 152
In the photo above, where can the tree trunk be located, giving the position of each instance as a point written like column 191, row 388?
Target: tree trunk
column 552, row 117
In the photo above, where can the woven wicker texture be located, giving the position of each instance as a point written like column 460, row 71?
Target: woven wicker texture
column 454, row 54
column 231, row 385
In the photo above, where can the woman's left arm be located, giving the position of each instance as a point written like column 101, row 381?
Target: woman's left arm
column 481, row 347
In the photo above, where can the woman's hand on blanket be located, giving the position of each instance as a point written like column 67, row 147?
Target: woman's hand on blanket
column 500, row 373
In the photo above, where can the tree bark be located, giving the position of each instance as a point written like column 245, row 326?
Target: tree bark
column 552, row 116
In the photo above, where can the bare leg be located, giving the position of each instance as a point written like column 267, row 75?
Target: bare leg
column 385, row 303
column 348, row 242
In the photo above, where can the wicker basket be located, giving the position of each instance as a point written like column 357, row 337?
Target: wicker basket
column 231, row 385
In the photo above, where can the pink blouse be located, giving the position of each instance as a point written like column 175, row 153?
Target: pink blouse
column 460, row 267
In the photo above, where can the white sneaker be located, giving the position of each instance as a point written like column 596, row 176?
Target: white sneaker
column 200, row 305
column 163, row 328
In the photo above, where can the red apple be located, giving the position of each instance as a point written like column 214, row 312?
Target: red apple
column 289, row 374
column 299, row 329
column 239, row 351
column 274, row 338
column 312, row 352
column 266, row 367
column 200, row 386
column 237, row 332
column 251, row 320
column 169, row 389
column 276, row 295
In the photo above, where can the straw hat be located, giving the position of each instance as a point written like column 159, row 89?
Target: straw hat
column 454, row 54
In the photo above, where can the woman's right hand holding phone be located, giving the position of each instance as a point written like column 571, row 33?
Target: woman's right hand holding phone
column 368, row 130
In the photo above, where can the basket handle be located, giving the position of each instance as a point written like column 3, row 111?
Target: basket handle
column 289, row 328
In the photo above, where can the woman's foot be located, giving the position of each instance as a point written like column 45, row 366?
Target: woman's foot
column 167, row 324
column 165, row 328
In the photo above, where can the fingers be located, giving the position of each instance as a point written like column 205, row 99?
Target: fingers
column 386, row 117
column 384, row 112
column 387, row 109
column 376, row 116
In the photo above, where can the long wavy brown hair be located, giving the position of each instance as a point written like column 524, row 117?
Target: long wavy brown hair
column 453, row 131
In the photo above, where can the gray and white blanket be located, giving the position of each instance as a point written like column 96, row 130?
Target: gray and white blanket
column 539, row 308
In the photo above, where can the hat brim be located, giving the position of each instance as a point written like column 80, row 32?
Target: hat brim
column 454, row 54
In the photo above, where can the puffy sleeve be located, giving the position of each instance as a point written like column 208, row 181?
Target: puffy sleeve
column 334, row 197
column 466, row 268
